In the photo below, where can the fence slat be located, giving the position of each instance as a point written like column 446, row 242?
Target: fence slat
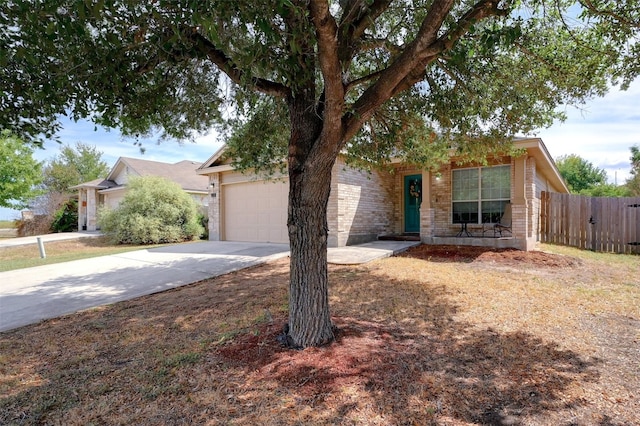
column 632, row 238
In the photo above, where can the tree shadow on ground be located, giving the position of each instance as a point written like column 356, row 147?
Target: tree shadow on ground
column 475, row 376
column 208, row 353
column 419, row 367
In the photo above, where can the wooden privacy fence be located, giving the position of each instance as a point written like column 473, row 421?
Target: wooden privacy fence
column 594, row 223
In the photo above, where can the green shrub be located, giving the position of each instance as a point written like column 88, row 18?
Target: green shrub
column 203, row 219
column 154, row 210
column 65, row 219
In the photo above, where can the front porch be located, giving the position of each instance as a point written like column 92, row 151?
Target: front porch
column 496, row 243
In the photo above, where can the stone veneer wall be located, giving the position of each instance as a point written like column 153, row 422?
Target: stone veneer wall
column 363, row 206
column 441, row 203
column 427, row 212
column 360, row 205
column 214, row 207
column 92, row 210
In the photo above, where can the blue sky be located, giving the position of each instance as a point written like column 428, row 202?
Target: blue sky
column 601, row 132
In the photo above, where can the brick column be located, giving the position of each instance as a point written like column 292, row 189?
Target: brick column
column 92, row 210
column 520, row 211
column 427, row 212
column 215, row 192
column 533, row 204
column 82, row 208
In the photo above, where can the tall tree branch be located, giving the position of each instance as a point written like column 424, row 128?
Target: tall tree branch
column 446, row 42
column 238, row 76
column 588, row 4
column 357, row 17
column 409, row 68
column 327, row 34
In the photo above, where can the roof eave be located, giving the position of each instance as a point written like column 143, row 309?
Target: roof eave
column 211, row 160
column 544, row 161
column 215, row 169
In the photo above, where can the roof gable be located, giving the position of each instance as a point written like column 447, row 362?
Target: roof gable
column 215, row 160
column 183, row 172
column 544, row 162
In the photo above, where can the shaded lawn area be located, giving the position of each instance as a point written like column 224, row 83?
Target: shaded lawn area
column 445, row 336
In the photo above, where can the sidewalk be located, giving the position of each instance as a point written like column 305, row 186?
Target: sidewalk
column 21, row 241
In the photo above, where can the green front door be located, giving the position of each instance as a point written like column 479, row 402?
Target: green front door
column 412, row 200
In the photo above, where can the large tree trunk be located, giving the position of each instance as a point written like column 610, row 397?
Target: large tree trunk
column 310, row 164
column 309, row 317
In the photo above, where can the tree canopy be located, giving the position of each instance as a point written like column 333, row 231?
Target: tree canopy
column 633, row 183
column 371, row 79
column 619, row 24
column 72, row 166
column 483, row 68
column 20, row 173
column 579, row 173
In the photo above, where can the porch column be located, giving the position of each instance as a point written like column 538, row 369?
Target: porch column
column 427, row 211
column 520, row 220
column 92, row 209
column 82, row 208
column 214, row 207
column 533, row 204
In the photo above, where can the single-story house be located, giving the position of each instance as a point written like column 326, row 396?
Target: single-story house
column 110, row 190
column 454, row 205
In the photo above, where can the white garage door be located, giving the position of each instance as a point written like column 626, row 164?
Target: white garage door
column 255, row 211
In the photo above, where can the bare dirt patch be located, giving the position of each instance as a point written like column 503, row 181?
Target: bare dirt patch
column 422, row 339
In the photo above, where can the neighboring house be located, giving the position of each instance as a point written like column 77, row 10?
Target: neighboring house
column 111, row 190
column 455, row 205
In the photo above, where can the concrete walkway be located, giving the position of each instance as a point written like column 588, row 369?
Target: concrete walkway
column 363, row 253
column 30, row 295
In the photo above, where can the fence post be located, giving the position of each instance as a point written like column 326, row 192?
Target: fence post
column 593, row 220
column 41, row 248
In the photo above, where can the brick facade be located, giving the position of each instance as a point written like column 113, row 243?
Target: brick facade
column 366, row 205
column 359, row 207
column 438, row 226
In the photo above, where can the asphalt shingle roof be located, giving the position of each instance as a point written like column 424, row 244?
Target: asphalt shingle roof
column 182, row 172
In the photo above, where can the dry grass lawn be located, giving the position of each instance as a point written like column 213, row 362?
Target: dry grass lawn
column 28, row 255
column 440, row 336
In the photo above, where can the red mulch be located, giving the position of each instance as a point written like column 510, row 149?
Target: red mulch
column 507, row 257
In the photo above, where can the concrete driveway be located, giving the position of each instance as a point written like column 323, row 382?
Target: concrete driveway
column 33, row 294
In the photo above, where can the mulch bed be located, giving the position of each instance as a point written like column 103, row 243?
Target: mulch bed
column 508, row 257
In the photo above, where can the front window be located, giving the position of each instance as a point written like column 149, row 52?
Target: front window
column 480, row 194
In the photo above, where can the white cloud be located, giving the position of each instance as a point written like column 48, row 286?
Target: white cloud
column 114, row 146
column 602, row 132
